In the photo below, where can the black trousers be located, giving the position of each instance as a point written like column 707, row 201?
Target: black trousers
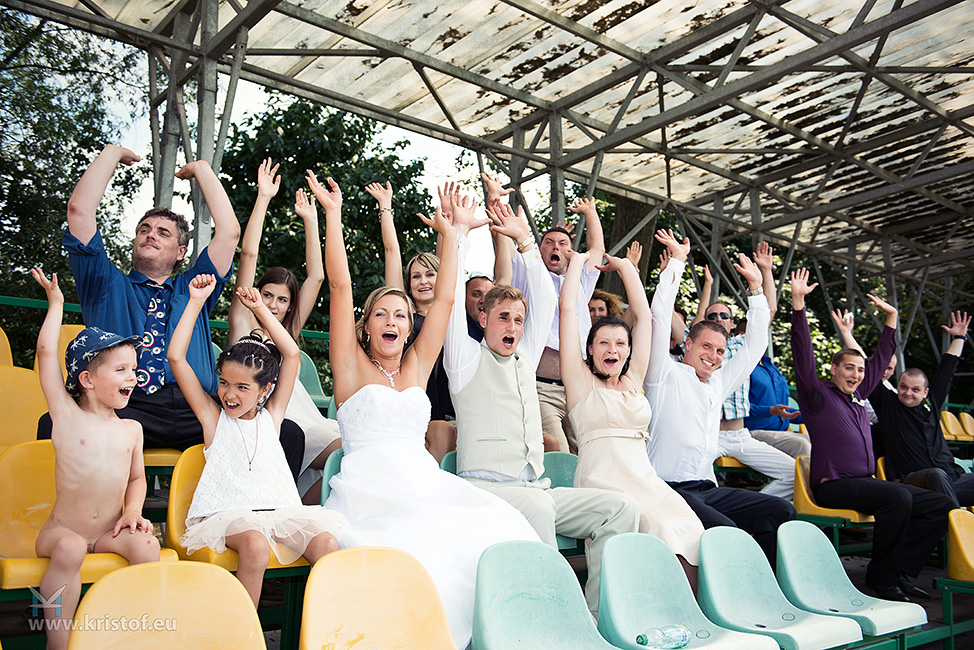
column 168, row 422
column 758, row 514
column 960, row 490
column 909, row 522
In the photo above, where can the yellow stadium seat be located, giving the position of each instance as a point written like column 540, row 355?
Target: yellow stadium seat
column 881, row 468
column 27, row 486
column 24, row 404
column 952, row 427
column 729, row 462
column 802, row 429
column 68, row 332
column 347, row 589
column 967, row 422
column 185, row 605
column 960, row 545
column 833, row 518
column 6, row 356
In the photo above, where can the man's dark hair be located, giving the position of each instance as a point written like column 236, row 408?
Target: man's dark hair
column 555, row 229
column 845, row 352
column 916, row 373
column 706, row 325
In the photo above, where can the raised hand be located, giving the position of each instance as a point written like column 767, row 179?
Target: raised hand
column 51, row 288
column 446, row 193
column 634, row 253
column 763, row 256
column 959, row 323
column 844, row 321
column 330, row 200
column 439, row 222
column 673, row 245
column 190, row 170
column 505, row 222
column 250, row 298
column 304, row 207
column 584, row 207
column 462, row 211
column 495, row 189
column 800, row 288
column 202, row 286
column 882, row 304
column 708, row 277
column 127, row 156
column 566, row 226
column 268, row 182
column 749, row 270
column 613, row 264
column 382, row 195
column 664, row 259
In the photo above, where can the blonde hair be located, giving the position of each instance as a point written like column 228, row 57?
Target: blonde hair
column 370, row 303
column 500, row 293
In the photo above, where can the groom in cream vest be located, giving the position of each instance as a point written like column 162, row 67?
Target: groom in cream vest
column 499, row 436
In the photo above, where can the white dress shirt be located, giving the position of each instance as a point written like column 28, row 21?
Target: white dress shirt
column 582, row 316
column 686, row 411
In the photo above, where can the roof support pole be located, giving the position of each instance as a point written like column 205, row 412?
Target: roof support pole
column 893, row 299
column 169, row 139
column 240, row 49
column 206, row 120
column 850, row 281
column 557, row 176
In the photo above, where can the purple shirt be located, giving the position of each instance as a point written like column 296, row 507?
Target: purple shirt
column 838, row 424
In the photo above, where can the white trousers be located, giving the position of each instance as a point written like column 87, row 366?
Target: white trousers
column 762, row 457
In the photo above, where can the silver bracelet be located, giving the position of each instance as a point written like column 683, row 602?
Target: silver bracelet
column 381, row 210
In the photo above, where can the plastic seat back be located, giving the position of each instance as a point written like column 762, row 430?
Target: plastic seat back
column 6, row 356
column 881, row 468
column 737, row 589
column 643, row 586
column 308, row 376
column 812, row 577
column 184, row 605
column 967, row 423
column 217, row 351
column 24, row 404
column 332, row 465
column 66, row 335
column 951, row 425
column 373, row 598
column 528, row 597
column 559, row 466
column 449, row 462
column 960, row 545
column 185, row 475
column 27, row 486
column 805, row 501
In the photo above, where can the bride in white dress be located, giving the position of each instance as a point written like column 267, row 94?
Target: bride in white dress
column 291, row 306
column 390, row 488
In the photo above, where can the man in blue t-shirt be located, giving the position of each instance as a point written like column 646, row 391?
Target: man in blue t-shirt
column 148, row 301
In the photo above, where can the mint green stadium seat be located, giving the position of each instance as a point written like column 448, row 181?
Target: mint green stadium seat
column 559, row 467
column 737, row 590
column 812, row 577
column 332, row 464
column 643, row 586
column 308, row 376
column 449, row 462
column 527, row 598
column 217, row 351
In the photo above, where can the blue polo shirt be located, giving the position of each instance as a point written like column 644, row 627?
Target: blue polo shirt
column 768, row 387
column 117, row 302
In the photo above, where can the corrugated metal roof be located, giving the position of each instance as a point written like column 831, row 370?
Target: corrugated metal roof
column 847, row 116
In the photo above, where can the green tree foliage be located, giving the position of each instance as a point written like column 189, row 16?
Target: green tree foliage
column 301, row 136
column 61, row 90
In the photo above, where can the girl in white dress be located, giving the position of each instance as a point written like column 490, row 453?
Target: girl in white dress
column 611, row 415
column 291, row 306
column 390, row 488
column 246, row 499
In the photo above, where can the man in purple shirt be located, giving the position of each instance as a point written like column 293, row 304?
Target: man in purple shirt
column 909, row 520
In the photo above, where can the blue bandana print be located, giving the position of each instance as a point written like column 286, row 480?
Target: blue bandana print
column 151, row 374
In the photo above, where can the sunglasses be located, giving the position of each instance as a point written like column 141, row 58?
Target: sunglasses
column 720, row 315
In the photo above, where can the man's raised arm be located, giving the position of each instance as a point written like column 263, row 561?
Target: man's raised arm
column 663, row 300
column 90, row 190
column 226, row 228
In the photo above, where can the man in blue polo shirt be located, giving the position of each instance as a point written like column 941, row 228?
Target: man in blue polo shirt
column 148, row 301
column 909, row 520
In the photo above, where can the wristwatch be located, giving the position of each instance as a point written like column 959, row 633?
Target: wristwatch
column 521, row 245
column 756, row 292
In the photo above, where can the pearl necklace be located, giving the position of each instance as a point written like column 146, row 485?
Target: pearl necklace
column 389, row 375
column 250, row 457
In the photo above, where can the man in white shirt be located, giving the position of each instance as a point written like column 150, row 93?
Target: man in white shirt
column 499, row 437
column 686, row 400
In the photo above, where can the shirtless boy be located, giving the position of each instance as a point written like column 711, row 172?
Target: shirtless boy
column 98, row 460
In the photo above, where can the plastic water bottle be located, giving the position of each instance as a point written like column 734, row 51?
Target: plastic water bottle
column 671, row 636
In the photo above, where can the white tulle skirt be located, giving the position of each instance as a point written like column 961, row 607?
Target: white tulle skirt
column 294, row 527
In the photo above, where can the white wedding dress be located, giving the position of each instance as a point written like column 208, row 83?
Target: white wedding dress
column 395, row 495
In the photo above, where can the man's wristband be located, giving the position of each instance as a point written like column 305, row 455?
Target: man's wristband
column 521, row 245
column 962, row 337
